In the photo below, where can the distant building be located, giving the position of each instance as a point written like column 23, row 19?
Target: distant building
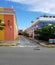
column 8, row 17
column 41, row 21
column 20, row 32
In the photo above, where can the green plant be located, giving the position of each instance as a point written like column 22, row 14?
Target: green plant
column 1, row 25
column 46, row 32
column 25, row 34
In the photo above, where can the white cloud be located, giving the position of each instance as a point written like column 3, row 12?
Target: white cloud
column 24, row 1
column 47, row 6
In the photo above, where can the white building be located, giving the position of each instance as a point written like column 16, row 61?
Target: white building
column 41, row 21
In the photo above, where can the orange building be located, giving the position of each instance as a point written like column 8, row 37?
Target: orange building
column 8, row 17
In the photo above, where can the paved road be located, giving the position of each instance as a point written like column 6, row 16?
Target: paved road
column 25, row 41
column 26, row 56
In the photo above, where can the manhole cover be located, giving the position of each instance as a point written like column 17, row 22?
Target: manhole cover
column 36, row 48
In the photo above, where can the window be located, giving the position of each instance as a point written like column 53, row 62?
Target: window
column 8, row 22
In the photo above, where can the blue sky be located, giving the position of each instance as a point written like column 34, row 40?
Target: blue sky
column 29, row 10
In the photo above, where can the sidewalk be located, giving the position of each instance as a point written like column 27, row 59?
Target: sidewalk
column 44, row 44
column 10, row 43
column 47, row 45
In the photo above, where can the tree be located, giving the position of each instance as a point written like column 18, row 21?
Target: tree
column 46, row 32
column 25, row 34
column 45, row 15
column 32, row 21
column 1, row 25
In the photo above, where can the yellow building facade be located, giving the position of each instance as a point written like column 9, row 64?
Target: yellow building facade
column 7, row 16
column 2, row 31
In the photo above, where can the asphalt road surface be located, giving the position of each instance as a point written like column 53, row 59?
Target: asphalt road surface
column 26, row 56
column 26, row 41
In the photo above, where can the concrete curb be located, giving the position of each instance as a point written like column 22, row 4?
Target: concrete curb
column 43, row 44
column 49, row 46
column 28, row 46
column 7, row 44
column 10, row 44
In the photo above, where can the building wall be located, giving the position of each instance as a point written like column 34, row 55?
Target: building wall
column 39, row 23
column 42, row 23
column 10, row 31
column 8, row 9
column 15, row 28
column 2, row 31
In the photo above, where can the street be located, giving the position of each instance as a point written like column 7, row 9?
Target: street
column 26, row 42
column 26, row 56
